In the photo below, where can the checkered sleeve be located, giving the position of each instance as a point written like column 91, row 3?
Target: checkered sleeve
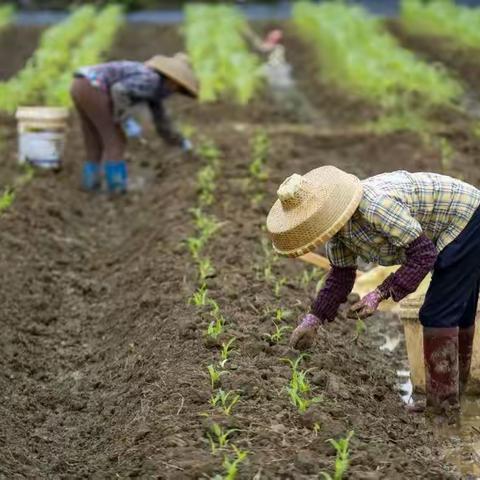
column 339, row 255
column 391, row 218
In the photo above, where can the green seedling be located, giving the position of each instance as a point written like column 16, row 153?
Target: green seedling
column 277, row 335
column 278, row 285
column 342, row 458
column 215, row 375
column 206, row 225
column 225, row 400
column 225, row 352
column 219, row 438
column 209, row 151
column 300, row 402
column 195, row 245
column 205, row 268
column 6, row 199
column 281, row 314
column 206, row 183
column 216, row 326
column 231, row 465
column 360, row 328
column 260, row 152
column 200, row 297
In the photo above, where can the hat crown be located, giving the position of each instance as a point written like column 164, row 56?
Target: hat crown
column 294, row 190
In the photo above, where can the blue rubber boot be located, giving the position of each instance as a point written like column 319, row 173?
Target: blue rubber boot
column 116, row 176
column 91, row 176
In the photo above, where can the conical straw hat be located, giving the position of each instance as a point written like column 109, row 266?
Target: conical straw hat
column 311, row 209
column 177, row 68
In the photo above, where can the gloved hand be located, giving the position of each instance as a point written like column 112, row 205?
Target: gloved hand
column 367, row 305
column 304, row 335
column 91, row 176
column 116, row 176
column 187, row 145
column 132, row 128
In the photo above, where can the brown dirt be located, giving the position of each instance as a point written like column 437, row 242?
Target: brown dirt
column 103, row 365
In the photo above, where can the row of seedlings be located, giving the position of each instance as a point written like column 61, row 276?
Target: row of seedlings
column 44, row 80
column 358, row 55
column 206, row 225
column 6, row 15
column 301, row 393
column 217, row 45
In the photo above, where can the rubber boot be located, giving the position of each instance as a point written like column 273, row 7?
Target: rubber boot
column 91, row 176
column 440, row 347
column 465, row 347
column 116, row 176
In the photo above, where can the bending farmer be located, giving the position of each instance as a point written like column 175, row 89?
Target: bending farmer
column 105, row 97
column 421, row 221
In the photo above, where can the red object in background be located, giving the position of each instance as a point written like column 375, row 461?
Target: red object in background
column 273, row 38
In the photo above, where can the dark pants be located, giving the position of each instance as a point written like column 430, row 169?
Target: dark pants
column 452, row 297
column 104, row 139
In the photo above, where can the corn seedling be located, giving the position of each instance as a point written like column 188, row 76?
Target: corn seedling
column 216, row 326
column 215, row 375
column 358, row 55
column 260, row 152
column 200, row 297
column 195, row 245
column 278, row 285
column 6, row 15
column 6, row 199
column 342, row 457
column 206, row 225
column 270, row 258
column 219, row 438
column 219, row 54
column 299, row 386
column 231, row 465
column 445, row 19
column 205, row 269
column 277, row 335
column 225, row 400
column 360, row 328
column 225, row 352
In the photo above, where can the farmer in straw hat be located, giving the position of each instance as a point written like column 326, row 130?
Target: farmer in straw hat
column 421, row 221
column 106, row 97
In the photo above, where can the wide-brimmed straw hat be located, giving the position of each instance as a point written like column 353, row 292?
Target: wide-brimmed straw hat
column 311, row 209
column 178, row 69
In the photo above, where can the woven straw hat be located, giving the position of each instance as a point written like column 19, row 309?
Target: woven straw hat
column 311, row 209
column 178, row 69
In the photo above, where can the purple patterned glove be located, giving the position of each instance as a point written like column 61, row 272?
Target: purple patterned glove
column 367, row 305
column 304, row 335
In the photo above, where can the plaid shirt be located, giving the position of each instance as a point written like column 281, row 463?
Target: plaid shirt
column 130, row 83
column 396, row 208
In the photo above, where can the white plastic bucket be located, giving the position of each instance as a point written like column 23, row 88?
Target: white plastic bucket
column 41, row 135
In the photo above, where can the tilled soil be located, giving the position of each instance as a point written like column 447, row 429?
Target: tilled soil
column 103, row 365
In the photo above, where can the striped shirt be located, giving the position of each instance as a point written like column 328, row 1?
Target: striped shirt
column 396, row 208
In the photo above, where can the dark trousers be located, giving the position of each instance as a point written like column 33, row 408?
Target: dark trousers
column 452, row 297
column 104, row 139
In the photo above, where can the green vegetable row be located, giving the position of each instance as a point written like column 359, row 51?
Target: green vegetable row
column 460, row 25
column 358, row 55
column 79, row 39
column 219, row 54
column 6, row 15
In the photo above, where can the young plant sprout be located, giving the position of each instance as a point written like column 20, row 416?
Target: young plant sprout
column 205, row 269
column 342, row 458
column 231, row 465
column 299, row 386
column 226, row 351
column 219, row 438
column 260, row 152
column 216, row 326
column 215, row 375
column 277, row 335
column 277, row 287
column 205, row 224
column 6, row 199
column 200, row 297
column 225, row 400
column 195, row 245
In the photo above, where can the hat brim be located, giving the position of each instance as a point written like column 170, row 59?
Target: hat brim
column 168, row 66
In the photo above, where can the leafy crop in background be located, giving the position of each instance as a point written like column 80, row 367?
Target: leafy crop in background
column 6, row 15
column 79, row 40
column 219, row 54
column 359, row 56
column 446, row 19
